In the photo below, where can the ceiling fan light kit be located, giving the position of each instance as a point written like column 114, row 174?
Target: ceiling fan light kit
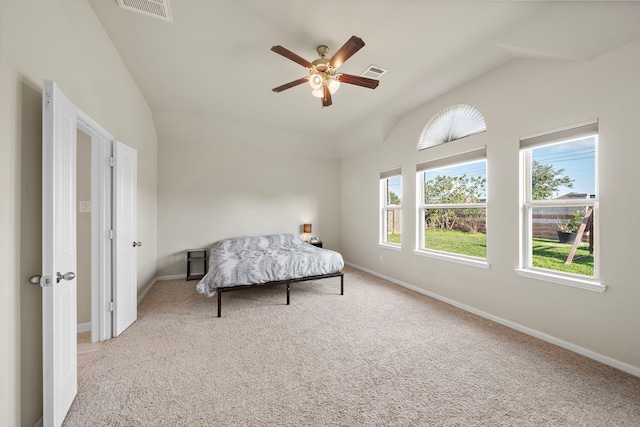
column 323, row 76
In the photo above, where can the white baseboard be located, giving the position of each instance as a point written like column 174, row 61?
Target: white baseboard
column 38, row 423
column 84, row 327
column 147, row 290
column 174, row 277
column 633, row 370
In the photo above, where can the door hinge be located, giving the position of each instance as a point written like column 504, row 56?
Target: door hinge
column 47, row 102
column 111, row 306
column 111, row 161
column 110, row 234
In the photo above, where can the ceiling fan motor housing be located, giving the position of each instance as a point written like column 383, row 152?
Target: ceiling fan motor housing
column 322, row 64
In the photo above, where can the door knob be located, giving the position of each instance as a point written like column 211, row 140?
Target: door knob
column 66, row 276
column 137, row 244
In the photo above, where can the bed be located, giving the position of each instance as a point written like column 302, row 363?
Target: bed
column 243, row 262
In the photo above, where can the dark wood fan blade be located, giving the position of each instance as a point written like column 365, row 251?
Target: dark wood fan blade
column 292, row 56
column 326, row 99
column 347, row 50
column 290, row 84
column 358, row 81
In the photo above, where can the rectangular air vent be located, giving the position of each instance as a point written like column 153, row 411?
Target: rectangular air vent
column 373, row 72
column 155, row 8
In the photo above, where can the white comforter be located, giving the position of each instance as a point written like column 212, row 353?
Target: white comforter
column 261, row 259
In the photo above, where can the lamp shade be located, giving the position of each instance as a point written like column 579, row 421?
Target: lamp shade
column 306, row 228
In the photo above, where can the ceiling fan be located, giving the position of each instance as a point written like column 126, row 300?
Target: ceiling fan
column 323, row 76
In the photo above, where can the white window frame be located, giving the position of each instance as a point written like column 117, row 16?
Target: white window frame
column 454, row 160
column 385, row 208
column 527, row 144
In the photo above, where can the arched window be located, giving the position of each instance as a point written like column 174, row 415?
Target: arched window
column 451, row 123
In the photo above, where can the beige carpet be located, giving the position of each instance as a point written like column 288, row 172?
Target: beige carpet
column 380, row 355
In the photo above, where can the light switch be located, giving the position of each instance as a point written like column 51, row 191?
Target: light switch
column 85, row 207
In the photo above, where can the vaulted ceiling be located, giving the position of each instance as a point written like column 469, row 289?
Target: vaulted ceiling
column 214, row 59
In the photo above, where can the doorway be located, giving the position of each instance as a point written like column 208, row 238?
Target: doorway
column 87, row 348
column 113, row 223
column 94, row 216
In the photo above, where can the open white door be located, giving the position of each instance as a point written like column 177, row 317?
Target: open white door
column 125, row 289
column 59, row 347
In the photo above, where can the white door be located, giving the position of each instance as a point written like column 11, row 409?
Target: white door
column 59, row 347
column 125, row 289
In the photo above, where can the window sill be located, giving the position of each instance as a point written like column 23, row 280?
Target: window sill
column 575, row 282
column 472, row 262
column 390, row 246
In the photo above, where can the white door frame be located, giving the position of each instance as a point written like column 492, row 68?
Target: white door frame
column 101, row 222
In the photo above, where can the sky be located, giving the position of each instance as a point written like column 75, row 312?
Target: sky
column 475, row 169
column 577, row 158
column 394, row 185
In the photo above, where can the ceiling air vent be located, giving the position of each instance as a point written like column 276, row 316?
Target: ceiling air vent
column 158, row 9
column 373, row 72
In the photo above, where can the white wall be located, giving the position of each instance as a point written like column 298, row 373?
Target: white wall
column 59, row 40
column 220, row 180
column 519, row 99
column 83, row 229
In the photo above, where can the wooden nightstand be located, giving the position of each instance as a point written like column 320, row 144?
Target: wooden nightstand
column 316, row 244
column 196, row 263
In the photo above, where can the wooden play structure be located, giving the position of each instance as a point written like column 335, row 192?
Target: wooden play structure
column 587, row 225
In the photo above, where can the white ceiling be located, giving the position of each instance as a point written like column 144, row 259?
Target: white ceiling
column 214, row 60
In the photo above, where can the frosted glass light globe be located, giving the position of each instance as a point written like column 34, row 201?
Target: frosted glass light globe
column 333, row 85
column 315, row 81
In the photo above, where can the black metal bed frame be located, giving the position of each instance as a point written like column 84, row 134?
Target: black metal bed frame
column 280, row 282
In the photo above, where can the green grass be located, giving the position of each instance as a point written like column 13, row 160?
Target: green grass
column 552, row 255
column 548, row 254
column 394, row 238
column 458, row 242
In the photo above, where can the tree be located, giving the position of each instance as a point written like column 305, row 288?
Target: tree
column 393, row 198
column 546, row 181
column 454, row 189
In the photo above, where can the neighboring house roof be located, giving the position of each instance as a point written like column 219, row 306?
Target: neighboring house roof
column 574, row 195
